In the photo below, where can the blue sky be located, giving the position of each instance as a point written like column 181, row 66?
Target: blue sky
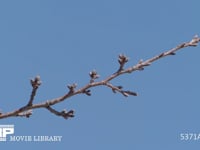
column 63, row 41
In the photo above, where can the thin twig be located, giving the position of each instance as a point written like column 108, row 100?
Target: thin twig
column 35, row 85
column 26, row 110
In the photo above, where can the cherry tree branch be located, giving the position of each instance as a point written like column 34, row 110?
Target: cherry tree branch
column 26, row 111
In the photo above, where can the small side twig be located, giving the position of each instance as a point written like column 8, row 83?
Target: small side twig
column 65, row 114
column 122, row 60
column 119, row 89
column 35, row 83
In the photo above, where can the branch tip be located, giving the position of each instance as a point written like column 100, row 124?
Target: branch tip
column 194, row 41
column 93, row 75
column 67, row 114
column 72, row 87
column 130, row 93
column 64, row 113
column 36, row 82
column 122, row 59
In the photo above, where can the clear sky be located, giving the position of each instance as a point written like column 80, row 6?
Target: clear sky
column 63, row 40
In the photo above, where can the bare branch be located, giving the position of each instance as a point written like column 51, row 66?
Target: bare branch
column 26, row 111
